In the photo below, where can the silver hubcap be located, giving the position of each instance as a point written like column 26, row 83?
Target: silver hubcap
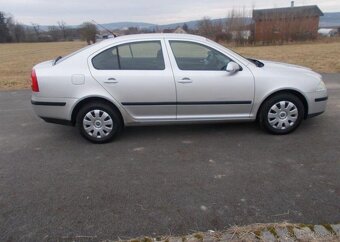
column 98, row 123
column 283, row 115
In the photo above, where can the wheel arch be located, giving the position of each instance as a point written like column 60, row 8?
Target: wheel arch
column 291, row 91
column 87, row 100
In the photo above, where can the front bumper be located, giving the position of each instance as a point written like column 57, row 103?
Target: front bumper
column 317, row 103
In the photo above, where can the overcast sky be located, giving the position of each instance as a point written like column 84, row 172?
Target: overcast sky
column 47, row 12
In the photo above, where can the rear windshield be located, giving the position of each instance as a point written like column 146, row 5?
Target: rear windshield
column 72, row 54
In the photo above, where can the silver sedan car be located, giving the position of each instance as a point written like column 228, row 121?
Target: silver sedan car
column 167, row 79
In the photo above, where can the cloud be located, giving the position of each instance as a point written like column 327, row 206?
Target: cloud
column 159, row 12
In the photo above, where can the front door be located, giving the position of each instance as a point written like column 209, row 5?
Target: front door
column 204, row 89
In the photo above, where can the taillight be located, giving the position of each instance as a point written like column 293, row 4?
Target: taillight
column 35, row 85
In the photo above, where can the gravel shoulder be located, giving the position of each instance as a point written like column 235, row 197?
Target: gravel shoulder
column 259, row 232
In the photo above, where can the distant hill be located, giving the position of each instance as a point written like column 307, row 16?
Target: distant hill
column 329, row 20
column 191, row 24
column 124, row 25
column 194, row 24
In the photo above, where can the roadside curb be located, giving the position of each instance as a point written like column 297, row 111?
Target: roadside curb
column 257, row 232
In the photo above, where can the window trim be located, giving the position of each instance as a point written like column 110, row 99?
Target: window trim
column 118, row 57
column 204, row 45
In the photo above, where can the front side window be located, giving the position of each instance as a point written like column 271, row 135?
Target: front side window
column 197, row 57
column 146, row 55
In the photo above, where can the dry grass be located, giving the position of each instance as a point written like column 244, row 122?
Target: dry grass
column 321, row 57
column 17, row 60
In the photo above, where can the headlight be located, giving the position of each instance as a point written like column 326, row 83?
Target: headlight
column 321, row 87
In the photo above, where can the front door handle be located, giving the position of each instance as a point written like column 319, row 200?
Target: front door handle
column 185, row 80
column 111, row 80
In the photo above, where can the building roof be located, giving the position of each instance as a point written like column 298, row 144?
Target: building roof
column 313, row 10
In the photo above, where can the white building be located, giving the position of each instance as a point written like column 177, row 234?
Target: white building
column 327, row 32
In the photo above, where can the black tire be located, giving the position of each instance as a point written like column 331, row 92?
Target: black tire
column 103, row 108
column 265, row 116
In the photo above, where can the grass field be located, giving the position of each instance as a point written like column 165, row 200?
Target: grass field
column 321, row 57
column 17, row 60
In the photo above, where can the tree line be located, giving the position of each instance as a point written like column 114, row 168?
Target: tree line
column 234, row 29
column 12, row 31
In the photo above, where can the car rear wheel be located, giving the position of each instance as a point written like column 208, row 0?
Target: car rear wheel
column 281, row 114
column 98, row 122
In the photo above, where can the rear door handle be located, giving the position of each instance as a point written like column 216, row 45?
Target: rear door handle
column 111, row 80
column 185, row 80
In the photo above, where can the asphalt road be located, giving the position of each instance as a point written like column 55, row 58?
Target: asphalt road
column 163, row 180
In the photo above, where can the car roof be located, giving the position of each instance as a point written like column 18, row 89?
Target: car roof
column 150, row 36
column 160, row 35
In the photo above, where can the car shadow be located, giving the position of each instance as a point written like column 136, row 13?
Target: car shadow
column 179, row 131
column 185, row 130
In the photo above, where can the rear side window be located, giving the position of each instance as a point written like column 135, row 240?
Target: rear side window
column 106, row 60
column 141, row 56
column 133, row 56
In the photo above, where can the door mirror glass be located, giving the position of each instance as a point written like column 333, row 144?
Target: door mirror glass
column 232, row 67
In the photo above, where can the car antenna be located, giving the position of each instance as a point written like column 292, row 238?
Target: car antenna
column 114, row 35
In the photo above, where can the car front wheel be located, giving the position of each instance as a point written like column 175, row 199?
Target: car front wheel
column 98, row 122
column 281, row 114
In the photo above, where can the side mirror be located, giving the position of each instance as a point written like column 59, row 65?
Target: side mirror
column 232, row 67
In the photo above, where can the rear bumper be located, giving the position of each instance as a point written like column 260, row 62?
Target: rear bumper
column 57, row 121
column 51, row 109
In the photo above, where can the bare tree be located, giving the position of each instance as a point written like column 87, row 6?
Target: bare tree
column 238, row 26
column 132, row 30
column 55, row 32
column 206, row 28
column 36, row 29
column 10, row 30
column 88, row 32
column 185, row 27
column 63, row 28
column 213, row 29
column 10, row 25
column 19, row 32
column 4, row 31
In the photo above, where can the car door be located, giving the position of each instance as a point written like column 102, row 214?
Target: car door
column 138, row 74
column 205, row 90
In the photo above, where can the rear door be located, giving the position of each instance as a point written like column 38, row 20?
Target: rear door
column 138, row 74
